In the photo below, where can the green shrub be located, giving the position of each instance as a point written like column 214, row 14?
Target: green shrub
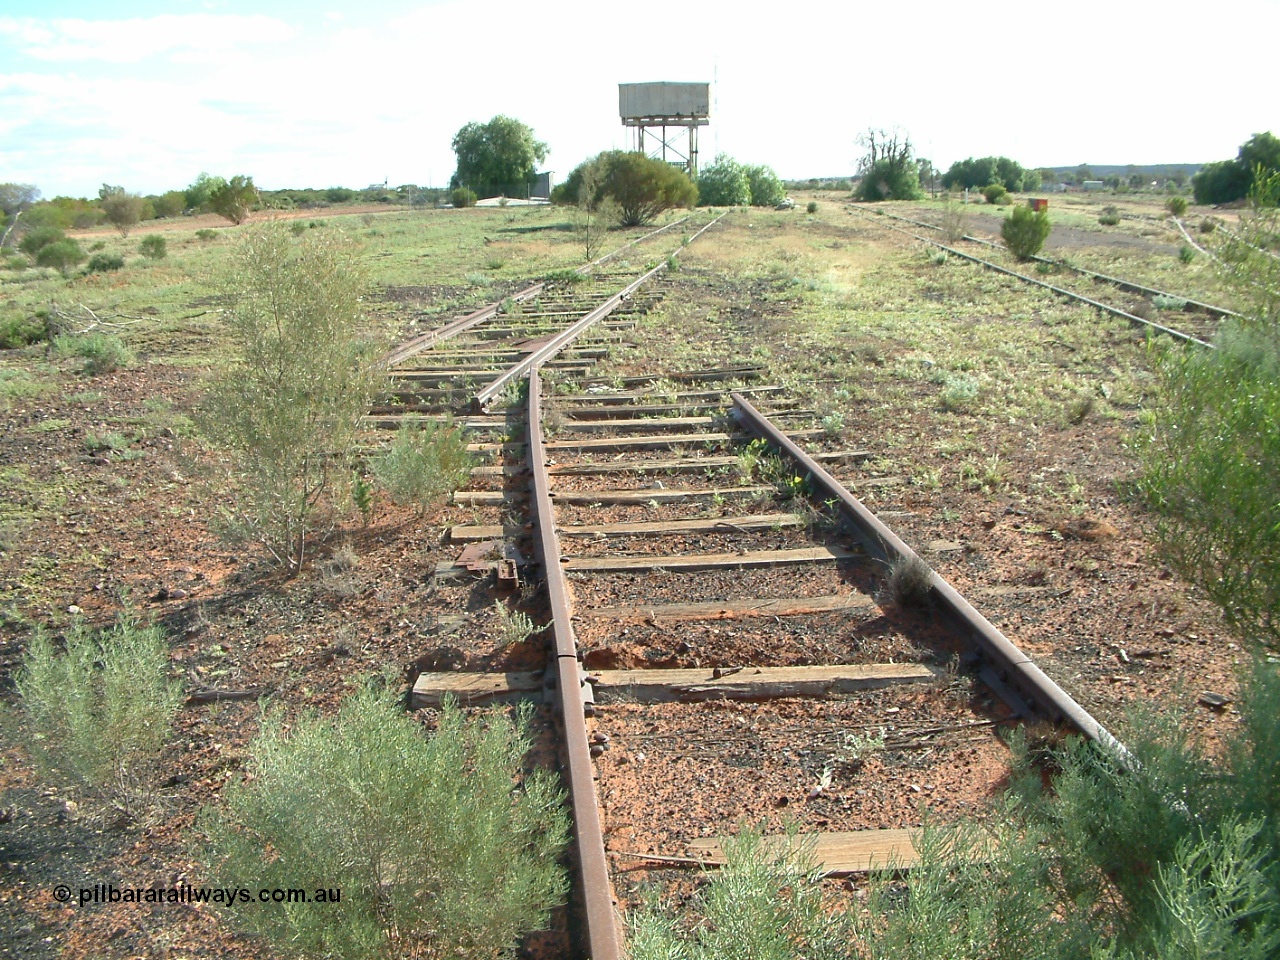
column 204, row 233
column 995, row 192
column 643, row 187
column 439, row 845
column 462, row 197
column 104, row 262
column 764, row 903
column 811, row 206
column 1166, row 301
column 766, row 188
column 959, row 392
column 1024, row 231
column 1186, row 253
column 101, row 352
column 1208, row 225
column 21, row 329
column 61, row 255
column 425, row 462
column 954, row 223
column 288, row 405
column 1177, row 206
column 100, row 709
column 169, row 204
column 153, row 247
column 1212, row 470
column 1109, row 217
column 33, row 241
column 724, row 184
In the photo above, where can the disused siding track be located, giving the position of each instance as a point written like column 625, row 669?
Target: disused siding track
column 712, row 565
column 1058, row 290
column 727, row 544
column 1118, row 282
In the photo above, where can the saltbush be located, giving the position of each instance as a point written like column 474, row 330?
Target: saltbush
column 104, row 262
column 101, row 352
column 21, row 329
column 153, row 247
column 439, row 845
column 425, row 462
column 995, row 192
column 101, row 708
column 1024, row 231
column 62, row 255
column 1212, row 470
column 1109, row 217
column 1177, row 206
column 764, row 903
column 33, row 241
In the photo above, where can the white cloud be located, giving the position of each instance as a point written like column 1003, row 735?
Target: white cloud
column 137, row 39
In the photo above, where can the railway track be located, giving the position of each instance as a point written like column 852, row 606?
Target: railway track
column 733, row 636
column 1147, row 298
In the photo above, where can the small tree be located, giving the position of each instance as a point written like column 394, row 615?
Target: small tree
column 724, row 184
column 122, row 209
column 287, row 407
column 1177, row 206
column 593, row 210
column 234, row 199
column 438, row 846
column 462, row 197
column 1024, row 231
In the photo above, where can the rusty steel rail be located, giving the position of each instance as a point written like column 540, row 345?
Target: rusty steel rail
column 601, row 937
column 587, row 268
column 429, row 339
column 1128, row 285
column 1061, row 291
column 451, row 329
column 534, row 361
column 1012, row 666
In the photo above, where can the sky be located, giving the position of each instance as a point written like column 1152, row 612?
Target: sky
column 316, row 93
